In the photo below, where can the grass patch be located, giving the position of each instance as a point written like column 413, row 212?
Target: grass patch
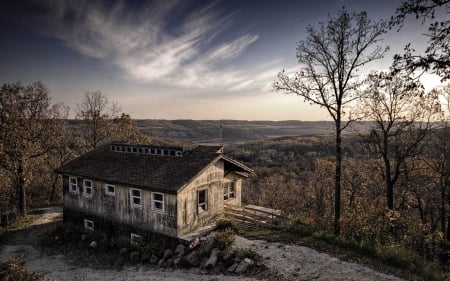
column 19, row 223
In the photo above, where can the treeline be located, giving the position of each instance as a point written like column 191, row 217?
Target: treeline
column 35, row 139
column 295, row 175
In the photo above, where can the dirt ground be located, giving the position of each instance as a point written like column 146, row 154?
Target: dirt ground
column 290, row 261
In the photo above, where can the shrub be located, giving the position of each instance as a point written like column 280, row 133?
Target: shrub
column 224, row 239
column 224, row 224
column 15, row 269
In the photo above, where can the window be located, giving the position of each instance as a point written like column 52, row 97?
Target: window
column 158, row 201
column 73, row 186
column 88, row 224
column 135, row 239
column 87, row 188
column 229, row 190
column 202, row 201
column 135, row 198
column 110, row 189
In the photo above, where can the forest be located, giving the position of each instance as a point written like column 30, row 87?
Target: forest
column 388, row 184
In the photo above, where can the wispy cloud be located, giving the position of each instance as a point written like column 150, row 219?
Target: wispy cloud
column 149, row 47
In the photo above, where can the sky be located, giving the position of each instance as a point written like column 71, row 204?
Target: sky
column 176, row 59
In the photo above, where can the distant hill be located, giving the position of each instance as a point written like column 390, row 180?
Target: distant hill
column 233, row 130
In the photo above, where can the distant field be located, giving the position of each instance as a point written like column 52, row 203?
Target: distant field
column 226, row 131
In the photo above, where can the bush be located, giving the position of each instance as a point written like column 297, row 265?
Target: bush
column 224, row 239
column 15, row 269
column 224, row 224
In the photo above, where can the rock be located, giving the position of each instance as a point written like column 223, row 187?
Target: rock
column 162, row 263
column 135, row 257
column 153, row 259
column 233, row 267
column 84, row 237
column 123, row 251
column 203, row 262
column 177, row 261
column 228, row 255
column 167, row 254
column 193, row 258
column 93, row 244
column 180, row 248
column 243, row 266
column 194, row 243
column 145, row 257
column 170, row 262
column 212, row 260
column 57, row 237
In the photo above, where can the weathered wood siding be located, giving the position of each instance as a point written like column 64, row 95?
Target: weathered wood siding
column 189, row 218
column 118, row 208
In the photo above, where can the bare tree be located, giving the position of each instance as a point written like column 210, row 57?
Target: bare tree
column 403, row 116
column 330, row 56
column 96, row 113
column 29, row 128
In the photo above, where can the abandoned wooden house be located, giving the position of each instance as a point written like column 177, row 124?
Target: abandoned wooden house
column 140, row 192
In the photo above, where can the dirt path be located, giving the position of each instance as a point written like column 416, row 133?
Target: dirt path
column 302, row 263
column 293, row 262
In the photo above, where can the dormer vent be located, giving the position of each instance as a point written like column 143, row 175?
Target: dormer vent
column 147, row 150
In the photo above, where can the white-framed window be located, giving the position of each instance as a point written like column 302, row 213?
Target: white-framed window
column 87, row 188
column 135, row 198
column 158, row 201
column 202, row 200
column 73, row 185
column 229, row 190
column 88, row 224
column 135, row 239
column 110, row 189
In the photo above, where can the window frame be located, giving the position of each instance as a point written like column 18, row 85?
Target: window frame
column 133, row 237
column 85, row 187
column 153, row 201
column 86, row 224
column 227, row 192
column 132, row 197
column 71, row 185
column 107, row 192
column 201, row 210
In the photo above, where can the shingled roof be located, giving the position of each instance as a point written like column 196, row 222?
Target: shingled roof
column 154, row 172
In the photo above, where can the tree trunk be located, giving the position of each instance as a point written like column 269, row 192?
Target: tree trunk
column 337, row 187
column 21, row 191
column 55, row 181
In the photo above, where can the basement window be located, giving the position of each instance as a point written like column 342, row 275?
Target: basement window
column 135, row 198
column 158, row 201
column 202, row 200
column 110, row 189
column 135, row 239
column 229, row 190
column 88, row 224
column 73, row 185
column 87, row 188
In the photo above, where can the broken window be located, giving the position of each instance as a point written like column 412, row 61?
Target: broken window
column 158, row 201
column 229, row 190
column 202, row 201
column 135, row 197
